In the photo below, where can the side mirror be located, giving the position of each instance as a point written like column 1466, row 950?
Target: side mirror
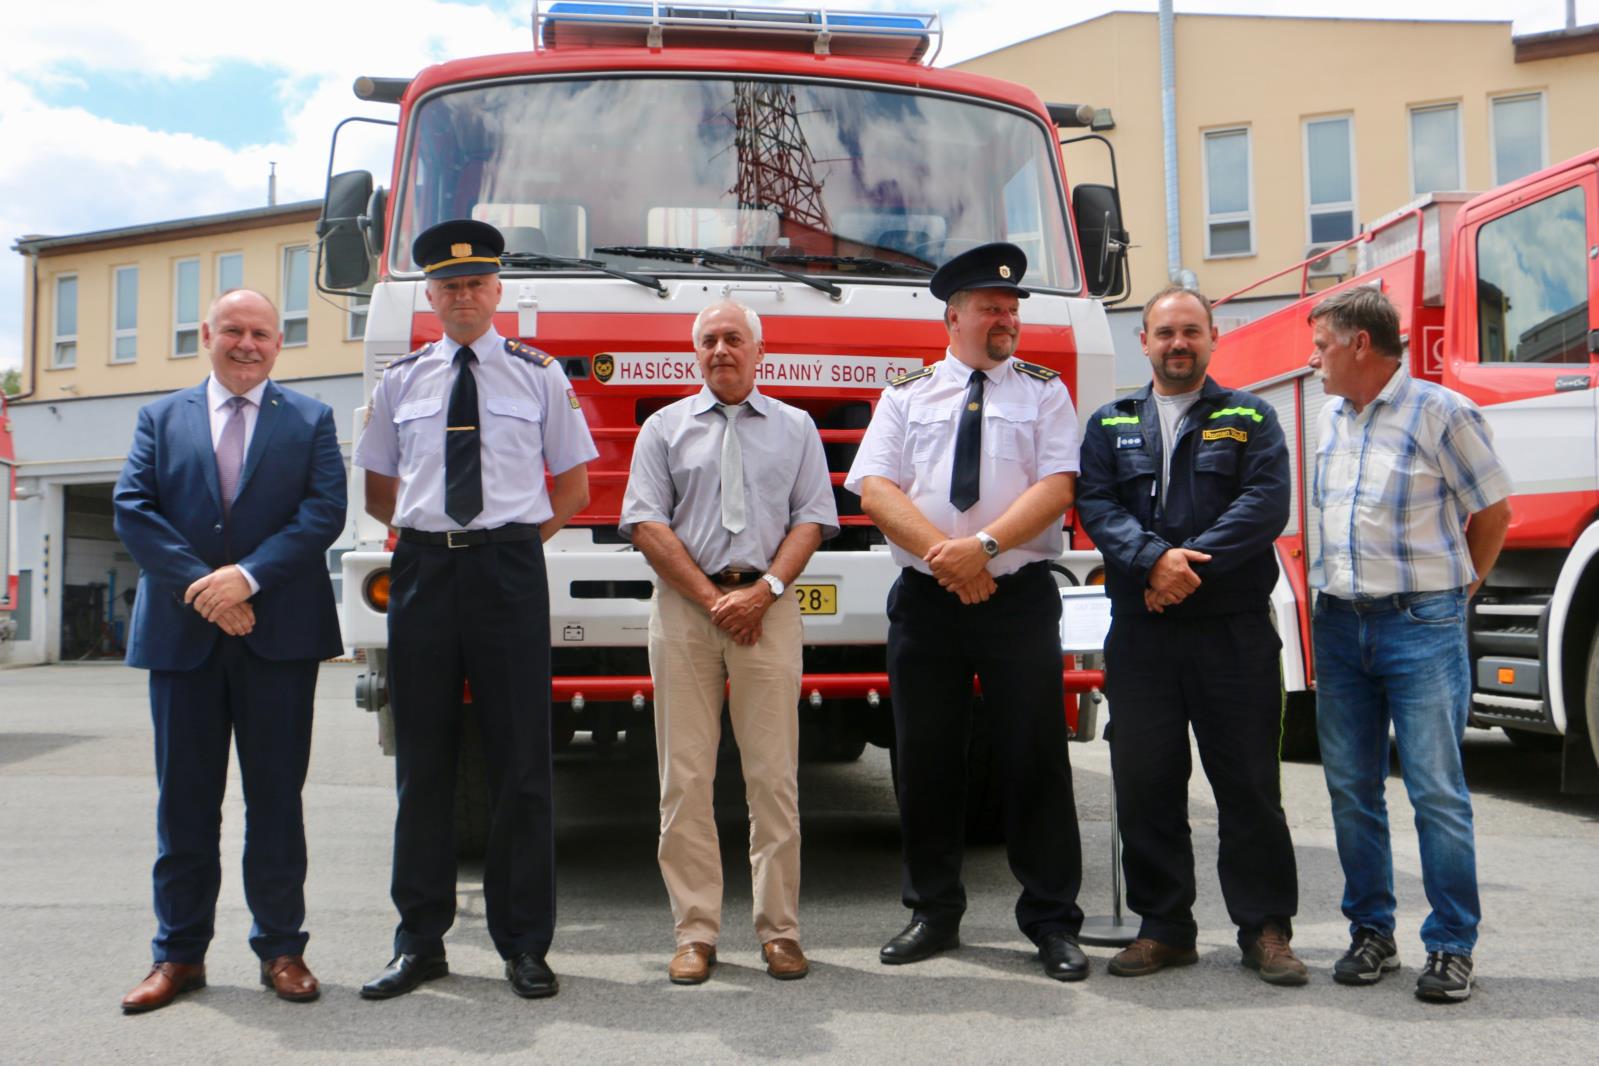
column 342, row 250
column 1097, row 211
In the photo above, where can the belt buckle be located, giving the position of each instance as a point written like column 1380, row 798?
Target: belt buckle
column 449, row 539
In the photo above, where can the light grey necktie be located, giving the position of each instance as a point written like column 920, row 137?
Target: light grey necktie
column 732, row 471
column 230, row 452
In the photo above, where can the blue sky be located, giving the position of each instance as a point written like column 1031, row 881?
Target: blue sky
column 115, row 114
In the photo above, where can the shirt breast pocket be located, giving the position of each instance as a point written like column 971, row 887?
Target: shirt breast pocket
column 1135, row 481
column 515, row 427
column 928, row 432
column 1008, row 432
column 419, row 429
column 1218, row 460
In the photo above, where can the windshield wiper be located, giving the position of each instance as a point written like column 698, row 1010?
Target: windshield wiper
column 536, row 259
column 862, row 264
column 706, row 255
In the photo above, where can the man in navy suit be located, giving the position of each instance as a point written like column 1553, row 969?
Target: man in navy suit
column 232, row 492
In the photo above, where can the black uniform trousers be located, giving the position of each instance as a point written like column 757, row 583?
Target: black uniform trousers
column 264, row 708
column 479, row 614
column 1219, row 674
column 1011, row 642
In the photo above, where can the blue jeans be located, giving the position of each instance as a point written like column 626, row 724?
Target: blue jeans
column 1399, row 659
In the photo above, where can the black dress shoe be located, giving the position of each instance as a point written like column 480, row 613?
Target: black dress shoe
column 531, row 978
column 405, row 973
column 1063, row 959
column 916, row 942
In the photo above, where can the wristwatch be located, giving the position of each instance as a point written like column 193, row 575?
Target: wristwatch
column 775, row 584
column 990, row 545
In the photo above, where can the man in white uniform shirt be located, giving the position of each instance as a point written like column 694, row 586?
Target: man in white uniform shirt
column 967, row 467
column 727, row 498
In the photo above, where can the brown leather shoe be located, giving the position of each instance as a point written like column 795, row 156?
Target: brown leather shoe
column 784, row 959
column 1276, row 962
column 165, row 982
column 692, row 964
column 1145, row 956
column 290, row 978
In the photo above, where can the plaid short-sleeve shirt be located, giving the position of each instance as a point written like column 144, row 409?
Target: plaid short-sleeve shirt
column 1395, row 484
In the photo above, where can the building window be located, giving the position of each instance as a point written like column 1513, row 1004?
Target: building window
column 1435, row 162
column 230, row 272
column 65, row 353
column 1229, row 195
column 186, row 307
column 125, row 315
column 296, row 294
column 1330, row 179
column 1518, row 136
column 355, row 317
column 1532, row 283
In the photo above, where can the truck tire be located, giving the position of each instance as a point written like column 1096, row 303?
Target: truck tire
column 471, row 790
column 1590, row 694
column 1299, row 742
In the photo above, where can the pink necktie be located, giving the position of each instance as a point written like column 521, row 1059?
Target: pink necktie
column 230, row 452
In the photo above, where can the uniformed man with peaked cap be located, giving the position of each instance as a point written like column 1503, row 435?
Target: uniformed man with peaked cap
column 967, row 467
column 455, row 449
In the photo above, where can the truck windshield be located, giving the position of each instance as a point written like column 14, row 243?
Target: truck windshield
column 827, row 179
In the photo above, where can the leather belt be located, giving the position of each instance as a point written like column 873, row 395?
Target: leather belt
column 730, row 576
column 467, row 538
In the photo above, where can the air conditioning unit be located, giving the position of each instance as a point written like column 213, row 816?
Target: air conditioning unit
column 1326, row 263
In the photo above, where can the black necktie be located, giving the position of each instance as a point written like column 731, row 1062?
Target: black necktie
column 968, row 446
column 463, row 460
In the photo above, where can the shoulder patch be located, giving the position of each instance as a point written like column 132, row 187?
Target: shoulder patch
column 408, row 357
column 1033, row 370
column 528, row 352
column 914, row 375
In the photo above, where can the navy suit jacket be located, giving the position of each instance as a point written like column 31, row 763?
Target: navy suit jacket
column 289, row 508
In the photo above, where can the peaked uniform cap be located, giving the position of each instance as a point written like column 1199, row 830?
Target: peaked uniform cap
column 988, row 266
column 458, row 247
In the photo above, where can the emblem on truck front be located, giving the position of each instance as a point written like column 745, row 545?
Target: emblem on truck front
column 604, row 367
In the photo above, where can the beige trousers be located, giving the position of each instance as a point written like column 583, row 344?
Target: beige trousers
column 690, row 662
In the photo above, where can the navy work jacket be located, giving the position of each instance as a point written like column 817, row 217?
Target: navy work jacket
column 1228, row 497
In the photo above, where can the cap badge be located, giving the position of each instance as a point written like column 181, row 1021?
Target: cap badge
column 464, row 249
column 1004, row 271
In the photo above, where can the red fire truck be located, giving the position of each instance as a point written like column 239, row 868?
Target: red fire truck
column 644, row 160
column 1496, row 295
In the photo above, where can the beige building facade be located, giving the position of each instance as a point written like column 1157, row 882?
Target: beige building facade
column 1293, row 132
column 111, row 321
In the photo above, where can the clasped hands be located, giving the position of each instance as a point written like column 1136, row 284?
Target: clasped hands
column 1172, row 579
column 739, row 612
column 961, row 566
column 222, row 598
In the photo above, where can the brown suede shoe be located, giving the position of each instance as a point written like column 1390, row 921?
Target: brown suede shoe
column 784, row 959
column 290, row 978
column 1274, row 959
column 692, row 964
column 165, row 983
column 1145, row 956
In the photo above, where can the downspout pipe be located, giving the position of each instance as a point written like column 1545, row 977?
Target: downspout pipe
column 1168, row 120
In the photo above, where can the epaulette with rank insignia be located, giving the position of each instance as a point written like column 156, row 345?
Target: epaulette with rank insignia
column 528, row 352
column 1033, row 370
column 419, row 353
column 912, row 375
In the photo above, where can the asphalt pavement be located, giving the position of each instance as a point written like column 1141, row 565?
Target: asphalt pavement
column 77, row 837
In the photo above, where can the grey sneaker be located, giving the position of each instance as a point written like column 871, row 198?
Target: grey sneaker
column 1276, row 962
column 1447, row 978
column 1371, row 954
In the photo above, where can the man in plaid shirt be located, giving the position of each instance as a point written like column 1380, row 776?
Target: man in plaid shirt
column 1413, row 514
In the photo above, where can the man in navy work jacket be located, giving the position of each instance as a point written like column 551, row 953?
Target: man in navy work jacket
column 459, row 437
column 1184, row 489
column 231, row 495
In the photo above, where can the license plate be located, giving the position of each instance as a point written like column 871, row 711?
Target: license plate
column 816, row 599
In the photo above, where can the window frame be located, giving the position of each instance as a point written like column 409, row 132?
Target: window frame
column 351, row 333
column 1494, row 101
column 59, row 338
column 1332, row 206
column 1229, row 217
column 1460, row 143
column 179, row 323
column 120, row 333
column 285, row 315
